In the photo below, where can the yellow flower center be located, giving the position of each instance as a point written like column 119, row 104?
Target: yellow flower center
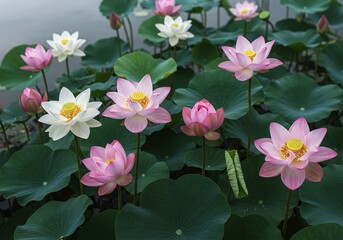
column 250, row 53
column 64, row 41
column 175, row 25
column 110, row 160
column 70, row 110
column 141, row 98
column 296, row 146
column 244, row 11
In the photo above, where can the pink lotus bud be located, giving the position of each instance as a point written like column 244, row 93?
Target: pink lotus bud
column 323, row 25
column 30, row 101
column 36, row 58
column 202, row 120
column 166, row 7
column 115, row 21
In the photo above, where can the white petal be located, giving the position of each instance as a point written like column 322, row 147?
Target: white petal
column 93, row 123
column 81, row 130
column 58, row 132
column 83, row 98
column 66, row 96
column 89, row 114
column 95, row 105
column 79, row 53
column 47, row 119
column 173, row 40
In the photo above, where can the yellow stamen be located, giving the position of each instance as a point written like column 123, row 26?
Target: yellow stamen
column 64, row 41
column 244, row 11
column 250, row 53
column 298, row 148
column 141, row 98
column 175, row 25
column 70, row 110
column 110, row 160
column 294, row 144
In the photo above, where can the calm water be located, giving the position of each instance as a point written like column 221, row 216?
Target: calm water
column 34, row 21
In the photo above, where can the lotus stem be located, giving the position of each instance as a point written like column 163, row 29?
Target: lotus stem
column 203, row 156
column 135, row 197
column 131, row 32
column 249, row 117
column 127, row 36
column 218, row 17
column 317, row 57
column 266, row 34
column 5, row 136
column 174, row 52
column 119, row 197
column 77, row 151
column 284, row 225
column 67, row 66
column 46, row 83
column 39, row 129
column 119, row 45
column 27, row 132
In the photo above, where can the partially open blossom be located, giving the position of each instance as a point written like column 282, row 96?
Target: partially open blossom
column 166, row 7
column 137, row 103
column 202, row 120
column 249, row 57
column 294, row 154
column 323, row 25
column 70, row 114
column 108, row 168
column 115, row 21
column 66, row 45
column 36, row 58
column 174, row 30
column 244, row 11
column 30, row 101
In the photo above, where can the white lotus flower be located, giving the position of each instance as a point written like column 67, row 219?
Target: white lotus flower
column 174, row 29
column 70, row 113
column 65, row 45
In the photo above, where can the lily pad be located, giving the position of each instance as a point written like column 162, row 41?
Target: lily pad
column 298, row 41
column 322, row 202
column 104, row 52
column 330, row 59
column 333, row 139
column 215, row 158
column 134, row 66
column 187, row 5
column 12, row 114
column 330, row 231
column 121, row 7
column 250, row 227
column 334, row 15
column 54, row 220
column 191, row 207
column 149, row 31
column 36, row 171
column 201, row 57
column 307, row 6
column 149, row 171
column 13, row 78
column 221, row 89
column 298, row 95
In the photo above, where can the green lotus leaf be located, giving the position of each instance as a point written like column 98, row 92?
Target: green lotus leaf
column 149, row 31
column 191, row 207
column 13, row 78
column 293, row 25
column 221, row 89
column 149, row 171
column 330, row 231
column 333, row 139
column 201, row 57
column 12, row 114
column 330, row 59
column 215, row 158
column 334, row 15
column 104, row 52
column 54, row 220
column 220, row 37
column 250, row 227
column 298, row 41
column 187, row 5
column 307, row 6
column 121, row 7
column 134, row 66
column 297, row 96
column 36, row 171
column 322, row 202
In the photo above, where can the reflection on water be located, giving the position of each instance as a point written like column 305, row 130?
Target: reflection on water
column 31, row 22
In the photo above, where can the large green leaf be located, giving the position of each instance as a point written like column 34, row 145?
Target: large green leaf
column 104, row 52
column 215, row 159
column 322, row 202
column 297, row 96
column 201, row 57
column 334, row 140
column 330, row 59
column 327, row 231
column 307, row 6
column 121, row 7
column 334, row 15
column 101, row 226
column 221, row 89
column 36, row 171
column 54, row 220
column 134, row 66
column 12, row 114
column 149, row 171
column 251, row 227
column 191, row 207
column 149, row 31
column 187, row 5
column 298, row 41
column 11, row 77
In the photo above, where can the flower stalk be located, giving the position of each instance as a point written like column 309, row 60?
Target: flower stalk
column 78, row 160
column 45, row 84
column 284, row 225
column 5, row 136
column 203, row 156
column 135, row 197
column 249, row 117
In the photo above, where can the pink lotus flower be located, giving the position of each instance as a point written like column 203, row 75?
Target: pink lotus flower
column 294, row 154
column 323, row 25
column 137, row 103
column 244, row 11
column 249, row 57
column 36, row 58
column 166, row 7
column 202, row 120
column 30, row 101
column 108, row 168
column 115, row 21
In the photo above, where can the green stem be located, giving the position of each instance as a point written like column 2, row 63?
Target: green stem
column 284, row 225
column 7, row 143
column 135, row 197
column 249, row 116
column 119, row 197
column 218, row 17
column 203, row 156
column 205, row 19
column 67, row 66
column 26, row 131
column 46, row 83
column 77, row 151
column 119, row 45
column 266, row 34
column 174, row 52
column 317, row 58
column 39, row 129
column 127, row 36
column 245, row 28
column 131, row 32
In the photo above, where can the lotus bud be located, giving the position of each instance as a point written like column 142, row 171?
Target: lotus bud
column 323, row 25
column 115, row 21
column 30, row 101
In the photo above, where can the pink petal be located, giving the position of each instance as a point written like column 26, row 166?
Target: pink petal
column 162, row 94
column 220, row 118
column 90, row 164
column 198, row 129
column 243, row 60
column 273, row 63
column 243, row 44
column 130, row 163
column 107, row 188
column 89, row 181
column 145, row 85
column 314, row 172
column 124, row 180
column 134, row 106
column 270, row 150
column 322, row 154
column 258, row 67
column 260, row 57
column 298, row 164
column 258, row 143
column 279, row 134
column 315, row 137
column 186, row 115
column 136, row 123
column 116, row 112
column 159, row 116
column 258, row 43
column 188, row 131
column 118, row 98
column 293, row 179
column 30, row 68
column 300, row 125
column 269, row 46
column 110, row 152
column 229, row 66
column 270, row 170
column 277, row 161
column 230, row 53
column 212, row 136
column 125, row 87
column 96, row 151
column 244, row 74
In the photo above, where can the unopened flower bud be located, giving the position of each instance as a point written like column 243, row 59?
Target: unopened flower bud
column 323, row 25
column 30, row 101
column 115, row 21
